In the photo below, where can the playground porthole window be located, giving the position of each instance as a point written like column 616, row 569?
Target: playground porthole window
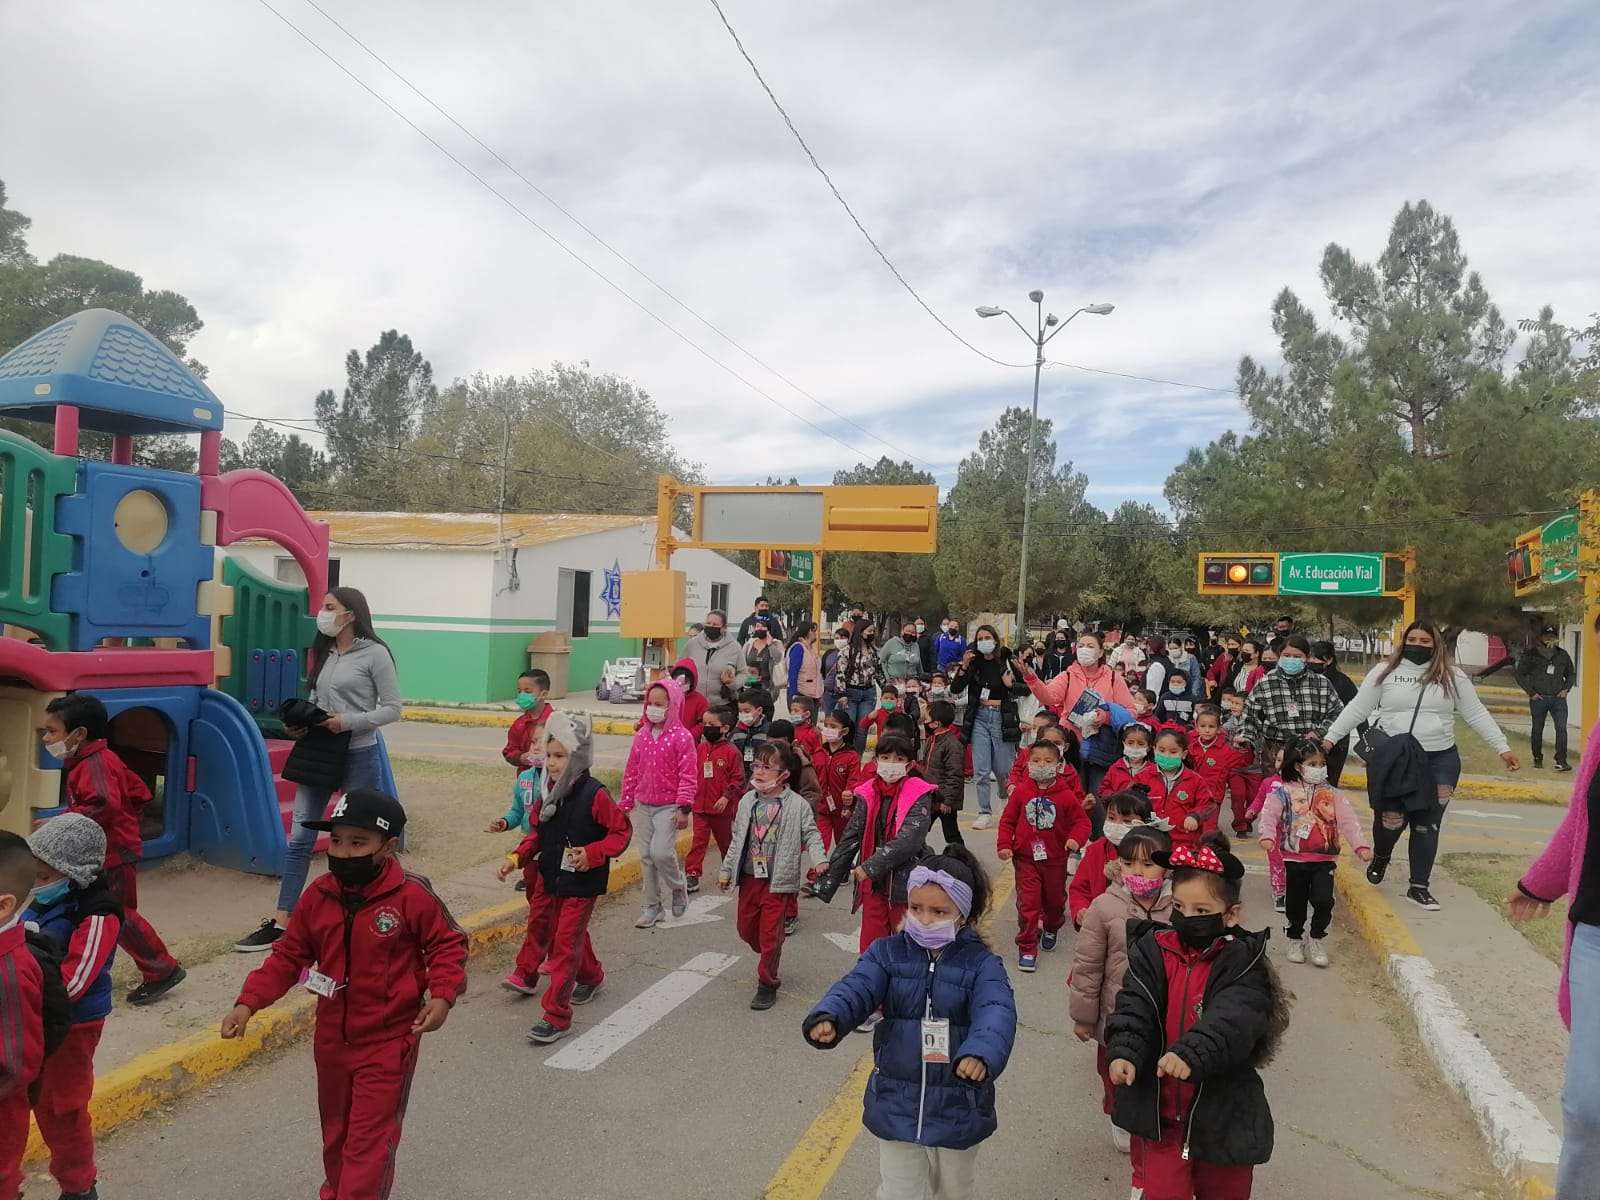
column 140, row 521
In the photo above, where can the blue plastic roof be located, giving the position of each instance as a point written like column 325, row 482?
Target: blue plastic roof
column 120, row 377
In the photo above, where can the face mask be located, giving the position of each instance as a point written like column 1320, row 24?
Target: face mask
column 1168, row 762
column 888, row 705
column 356, row 871
column 869, row 638
column 920, row 626
column 768, row 782
column 1418, row 655
column 1314, row 775
column 938, row 693
column 655, row 713
column 1115, row 831
column 714, row 733
column 842, row 643
column 1178, row 687
column 908, row 635
column 747, row 719
column 891, row 772
column 1198, row 932
column 985, row 645
column 1291, row 666
column 1043, row 772
column 711, row 634
column 328, row 623
column 1134, row 753
column 930, row 937
column 1088, row 655
column 57, row 749
column 526, row 701
column 1141, row 888
column 1179, row 657
column 831, row 733
column 50, row 892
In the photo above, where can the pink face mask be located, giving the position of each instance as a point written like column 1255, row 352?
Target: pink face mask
column 1141, row 888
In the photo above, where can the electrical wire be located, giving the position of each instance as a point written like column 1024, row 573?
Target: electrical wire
column 1173, row 531
column 1199, row 387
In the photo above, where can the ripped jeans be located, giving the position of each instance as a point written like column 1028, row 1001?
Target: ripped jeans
column 1423, row 847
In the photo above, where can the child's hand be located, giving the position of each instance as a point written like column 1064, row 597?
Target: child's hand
column 1171, row 1066
column 824, row 1033
column 972, row 1069
column 505, row 870
column 432, row 1016
column 1072, row 844
column 233, row 1024
column 1364, row 853
column 1522, row 908
column 1190, row 824
column 859, row 875
column 1083, row 1032
column 1121, row 1072
column 498, row 825
column 720, row 806
column 724, row 882
column 1266, row 844
column 1005, row 855
column 680, row 820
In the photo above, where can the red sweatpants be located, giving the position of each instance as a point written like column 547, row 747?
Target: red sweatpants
column 706, row 827
column 830, row 824
column 1041, row 899
column 1241, row 790
column 760, row 924
column 138, row 936
column 879, row 918
column 541, row 918
column 65, row 1085
column 571, row 960
column 13, row 1139
column 1169, row 1176
column 361, row 1095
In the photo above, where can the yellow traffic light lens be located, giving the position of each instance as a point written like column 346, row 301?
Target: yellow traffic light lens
column 1238, row 573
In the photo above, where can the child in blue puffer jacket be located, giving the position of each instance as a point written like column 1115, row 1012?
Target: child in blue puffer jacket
column 949, row 1021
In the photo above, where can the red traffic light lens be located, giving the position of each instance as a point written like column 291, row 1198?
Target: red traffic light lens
column 1216, row 573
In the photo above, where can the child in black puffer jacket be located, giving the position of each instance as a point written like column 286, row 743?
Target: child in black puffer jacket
column 1200, row 1010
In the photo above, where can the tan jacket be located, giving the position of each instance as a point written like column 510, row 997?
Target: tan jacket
column 1100, row 949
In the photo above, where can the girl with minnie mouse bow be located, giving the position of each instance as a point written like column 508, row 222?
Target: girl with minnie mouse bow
column 1200, row 1010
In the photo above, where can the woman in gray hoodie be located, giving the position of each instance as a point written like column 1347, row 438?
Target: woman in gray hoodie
column 353, row 680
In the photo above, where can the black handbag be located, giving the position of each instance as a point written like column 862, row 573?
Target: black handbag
column 317, row 759
column 1366, row 745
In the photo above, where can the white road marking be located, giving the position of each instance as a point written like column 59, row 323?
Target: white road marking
column 698, row 912
column 589, row 1050
column 1478, row 812
column 848, row 942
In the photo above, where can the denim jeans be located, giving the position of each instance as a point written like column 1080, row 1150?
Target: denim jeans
column 859, row 702
column 360, row 770
column 990, row 752
column 1554, row 707
column 1580, row 1095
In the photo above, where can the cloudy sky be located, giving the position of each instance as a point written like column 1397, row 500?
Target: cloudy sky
column 1182, row 161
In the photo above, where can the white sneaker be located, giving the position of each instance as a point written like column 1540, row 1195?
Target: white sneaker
column 1136, row 1194
column 1318, row 952
column 1073, row 860
column 1297, row 951
column 982, row 822
column 1121, row 1138
column 650, row 916
column 870, row 1023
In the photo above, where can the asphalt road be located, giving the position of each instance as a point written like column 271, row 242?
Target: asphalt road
column 708, row 1098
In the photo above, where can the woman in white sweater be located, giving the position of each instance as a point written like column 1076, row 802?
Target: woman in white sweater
column 1422, row 664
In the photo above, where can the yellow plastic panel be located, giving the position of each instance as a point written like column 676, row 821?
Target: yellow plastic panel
column 24, row 786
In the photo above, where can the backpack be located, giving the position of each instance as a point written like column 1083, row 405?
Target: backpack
column 56, row 1009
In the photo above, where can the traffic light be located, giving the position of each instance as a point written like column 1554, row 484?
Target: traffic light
column 1238, row 574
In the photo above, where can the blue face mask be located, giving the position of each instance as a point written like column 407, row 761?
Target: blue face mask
column 1291, row 666
column 50, row 893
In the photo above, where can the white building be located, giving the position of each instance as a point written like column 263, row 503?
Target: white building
column 459, row 607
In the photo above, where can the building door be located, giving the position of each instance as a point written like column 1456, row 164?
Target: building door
column 572, row 602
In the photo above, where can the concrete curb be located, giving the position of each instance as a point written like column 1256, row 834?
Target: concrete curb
column 492, row 720
column 1520, row 1141
column 164, row 1075
column 1473, row 789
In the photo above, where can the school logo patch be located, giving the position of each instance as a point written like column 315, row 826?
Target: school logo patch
column 385, row 922
column 1211, row 762
column 1183, row 795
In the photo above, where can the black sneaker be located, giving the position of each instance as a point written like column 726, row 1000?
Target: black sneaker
column 1376, row 869
column 790, row 924
column 520, row 885
column 691, row 884
column 1538, row 764
column 766, row 996
column 1279, row 903
column 585, row 992
column 268, row 932
column 544, row 1033
column 1047, row 940
column 92, row 1194
column 1422, row 898
column 1563, row 767
column 149, row 993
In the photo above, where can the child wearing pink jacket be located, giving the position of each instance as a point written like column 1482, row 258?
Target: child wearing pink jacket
column 658, row 790
column 1304, row 820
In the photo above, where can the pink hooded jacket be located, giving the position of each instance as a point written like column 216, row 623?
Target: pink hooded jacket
column 663, row 763
column 1555, row 873
column 1062, row 692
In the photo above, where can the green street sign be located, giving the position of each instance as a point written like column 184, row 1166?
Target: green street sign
column 1330, row 575
column 800, row 566
column 1558, row 549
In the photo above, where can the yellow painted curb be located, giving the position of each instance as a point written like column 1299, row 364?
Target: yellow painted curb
column 1379, row 925
column 1472, row 789
column 161, row 1076
column 493, row 720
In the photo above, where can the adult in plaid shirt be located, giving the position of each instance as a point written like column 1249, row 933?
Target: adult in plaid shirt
column 1289, row 704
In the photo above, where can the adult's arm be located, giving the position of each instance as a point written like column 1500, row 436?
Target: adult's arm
column 1359, row 709
column 1470, row 705
column 386, row 683
column 1569, row 673
column 1524, row 671
column 1052, row 693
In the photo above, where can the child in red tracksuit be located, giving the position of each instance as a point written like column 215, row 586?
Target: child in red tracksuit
column 1178, row 794
column 1217, row 760
column 717, row 802
column 102, row 788
column 803, row 715
column 386, row 961
column 1134, row 768
column 838, row 769
column 21, row 1011
column 1124, row 811
column 888, row 702
column 1042, row 825
column 525, row 739
column 1245, row 782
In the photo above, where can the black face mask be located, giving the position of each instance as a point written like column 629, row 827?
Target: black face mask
column 712, row 634
column 1321, row 668
column 1419, row 655
column 1198, row 932
column 713, row 733
column 356, row 871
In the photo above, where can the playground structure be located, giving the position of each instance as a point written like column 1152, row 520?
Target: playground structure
column 109, row 583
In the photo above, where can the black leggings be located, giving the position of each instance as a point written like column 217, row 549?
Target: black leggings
column 1388, row 825
column 1308, row 882
column 952, row 830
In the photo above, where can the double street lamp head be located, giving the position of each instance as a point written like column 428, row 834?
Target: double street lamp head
column 1036, row 296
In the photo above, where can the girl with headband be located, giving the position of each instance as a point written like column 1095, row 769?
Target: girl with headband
column 949, row 1021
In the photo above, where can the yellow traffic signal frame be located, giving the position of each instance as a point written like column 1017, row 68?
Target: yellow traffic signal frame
column 1248, row 558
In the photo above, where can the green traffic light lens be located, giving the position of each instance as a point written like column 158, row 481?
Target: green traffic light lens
column 1260, row 573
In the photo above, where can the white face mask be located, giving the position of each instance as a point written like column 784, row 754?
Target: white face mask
column 1314, row 775
column 891, row 772
column 328, row 623
column 985, row 645
column 831, row 733
column 1088, row 655
column 842, row 643
column 1179, row 657
column 656, row 713
column 938, row 693
column 1135, row 753
column 1042, row 772
column 57, row 749
column 1115, row 831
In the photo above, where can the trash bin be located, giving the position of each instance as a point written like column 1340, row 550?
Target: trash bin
column 552, row 653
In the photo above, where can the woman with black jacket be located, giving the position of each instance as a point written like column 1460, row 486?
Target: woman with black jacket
column 992, row 679
column 1325, row 662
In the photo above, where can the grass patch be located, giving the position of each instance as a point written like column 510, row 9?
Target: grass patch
column 1494, row 877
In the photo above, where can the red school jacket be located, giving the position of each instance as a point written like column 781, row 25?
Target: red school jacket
column 1090, row 879
column 1049, row 816
column 21, row 1014
column 1216, row 762
column 398, row 941
column 721, row 776
column 520, row 737
column 101, row 787
column 1019, row 775
column 807, row 740
column 838, row 772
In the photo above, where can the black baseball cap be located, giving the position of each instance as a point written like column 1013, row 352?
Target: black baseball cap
column 365, row 808
column 1547, row 629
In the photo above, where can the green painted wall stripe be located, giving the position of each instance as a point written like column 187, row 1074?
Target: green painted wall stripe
column 480, row 665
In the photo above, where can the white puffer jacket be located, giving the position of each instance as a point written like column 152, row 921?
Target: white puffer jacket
column 1389, row 706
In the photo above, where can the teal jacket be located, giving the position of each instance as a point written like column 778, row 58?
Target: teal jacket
column 524, row 810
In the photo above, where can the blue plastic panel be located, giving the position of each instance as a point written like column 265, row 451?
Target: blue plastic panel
column 178, row 706
column 132, row 594
column 271, row 677
column 120, row 377
column 234, row 816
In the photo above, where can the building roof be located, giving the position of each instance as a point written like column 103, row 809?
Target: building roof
column 446, row 531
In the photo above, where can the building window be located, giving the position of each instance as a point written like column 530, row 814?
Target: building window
column 572, row 603
column 286, row 570
column 719, row 596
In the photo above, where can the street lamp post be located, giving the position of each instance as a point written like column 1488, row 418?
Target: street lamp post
column 1040, row 338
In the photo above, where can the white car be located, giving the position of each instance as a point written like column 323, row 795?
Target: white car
column 621, row 680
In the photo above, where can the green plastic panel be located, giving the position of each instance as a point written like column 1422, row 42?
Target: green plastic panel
column 32, row 553
column 267, row 615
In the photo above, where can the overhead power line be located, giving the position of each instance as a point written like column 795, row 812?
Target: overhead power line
column 1199, row 387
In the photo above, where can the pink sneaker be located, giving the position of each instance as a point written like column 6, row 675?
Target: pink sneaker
column 516, row 983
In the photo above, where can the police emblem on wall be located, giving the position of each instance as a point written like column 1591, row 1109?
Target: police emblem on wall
column 611, row 593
